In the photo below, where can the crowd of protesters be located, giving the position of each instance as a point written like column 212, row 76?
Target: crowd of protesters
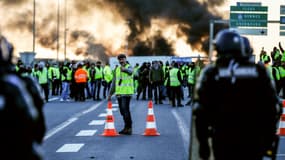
column 275, row 63
column 83, row 80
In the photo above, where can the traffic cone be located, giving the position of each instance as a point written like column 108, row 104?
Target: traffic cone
column 150, row 124
column 109, row 130
column 281, row 129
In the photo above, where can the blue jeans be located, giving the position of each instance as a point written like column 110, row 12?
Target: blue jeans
column 65, row 90
column 124, row 105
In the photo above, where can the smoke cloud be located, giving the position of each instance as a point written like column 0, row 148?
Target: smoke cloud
column 13, row 2
column 191, row 16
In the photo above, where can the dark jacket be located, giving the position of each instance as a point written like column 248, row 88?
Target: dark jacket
column 156, row 74
column 238, row 101
column 18, row 120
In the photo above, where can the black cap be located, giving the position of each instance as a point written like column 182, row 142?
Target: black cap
column 122, row 56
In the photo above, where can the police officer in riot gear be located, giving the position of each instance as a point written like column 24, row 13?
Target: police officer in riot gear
column 18, row 115
column 229, row 107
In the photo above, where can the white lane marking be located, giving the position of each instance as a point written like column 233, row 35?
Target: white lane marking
column 97, row 122
column 102, row 115
column 184, row 130
column 53, row 99
column 86, row 133
column 70, row 147
column 61, row 126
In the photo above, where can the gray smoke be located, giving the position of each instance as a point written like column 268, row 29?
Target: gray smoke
column 95, row 51
column 193, row 16
column 13, row 2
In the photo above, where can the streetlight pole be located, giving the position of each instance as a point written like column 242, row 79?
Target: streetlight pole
column 65, row 29
column 34, row 27
column 127, row 38
column 58, row 20
column 211, row 36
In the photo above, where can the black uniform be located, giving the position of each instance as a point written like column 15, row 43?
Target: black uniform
column 240, row 105
column 235, row 105
column 22, row 126
column 18, row 120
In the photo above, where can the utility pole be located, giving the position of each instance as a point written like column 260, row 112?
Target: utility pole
column 211, row 36
column 127, row 43
column 34, row 27
column 58, row 21
column 65, row 29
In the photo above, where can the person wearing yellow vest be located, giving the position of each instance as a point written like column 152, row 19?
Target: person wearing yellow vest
column 66, row 76
column 55, row 79
column 87, row 67
column 107, row 79
column 97, row 80
column 42, row 74
column 175, row 78
column 123, row 87
column 191, row 81
column 273, row 72
column 80, row 77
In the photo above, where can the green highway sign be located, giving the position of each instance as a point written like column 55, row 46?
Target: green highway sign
column 251, row 16
column 256, row 32
column 249, row 8
column 282, row 9
column 282, row 28
column 247, row 23
column 282, row 33
column 282, row 19
column 248, row 16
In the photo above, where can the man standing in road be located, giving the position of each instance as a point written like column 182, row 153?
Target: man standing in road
column 123, row 87
column 80, row 77
column 228, row 108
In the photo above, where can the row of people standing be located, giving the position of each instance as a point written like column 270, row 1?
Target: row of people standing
column 61, row 80
column 158, row 81
column 150, row 79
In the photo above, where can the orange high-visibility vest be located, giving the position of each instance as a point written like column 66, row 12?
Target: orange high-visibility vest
column 80, row 76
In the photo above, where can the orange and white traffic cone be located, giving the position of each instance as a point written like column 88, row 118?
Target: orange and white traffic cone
column 150, row 124
column 281, row 129
column 109, row 130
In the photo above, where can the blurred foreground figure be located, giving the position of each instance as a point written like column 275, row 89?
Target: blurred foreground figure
column 22, row 127
column 235, row 104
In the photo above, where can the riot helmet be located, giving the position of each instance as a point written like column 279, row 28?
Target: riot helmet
column 229, row 44
column 6, row 50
